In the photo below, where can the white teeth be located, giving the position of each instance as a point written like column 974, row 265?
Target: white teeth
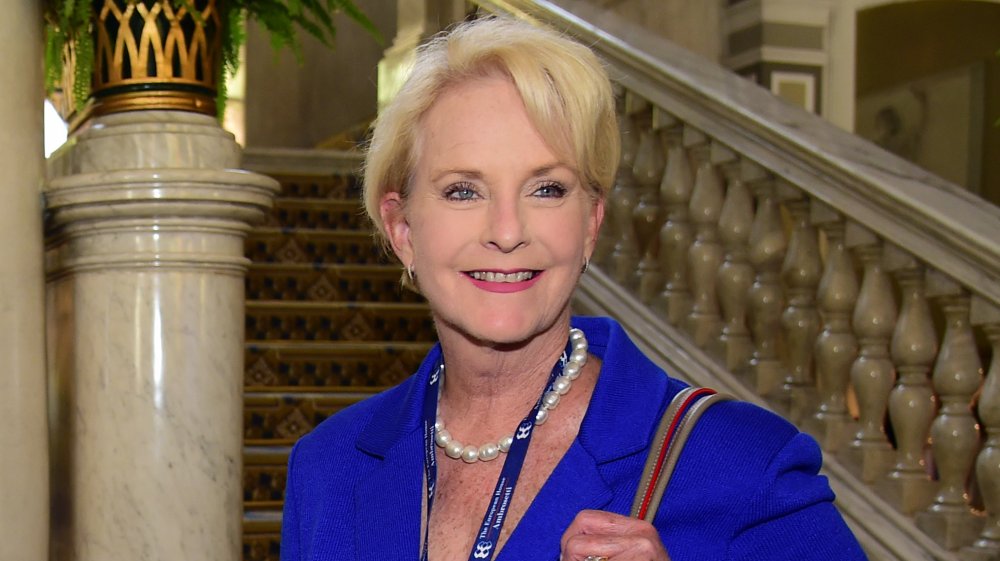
column 490, row 276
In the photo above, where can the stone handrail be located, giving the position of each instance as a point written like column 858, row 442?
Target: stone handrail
column 754, row 247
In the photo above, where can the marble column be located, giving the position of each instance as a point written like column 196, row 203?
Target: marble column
column 24, row 493
column 146, row 222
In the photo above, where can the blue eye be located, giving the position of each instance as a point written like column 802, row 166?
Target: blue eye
column 460, row 192
column 550, row 191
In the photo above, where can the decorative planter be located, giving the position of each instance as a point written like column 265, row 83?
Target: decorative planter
column 150, row 54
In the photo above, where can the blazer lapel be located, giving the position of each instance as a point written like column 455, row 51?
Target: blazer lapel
column 575, row 485
column 387, row 505
column 388, row 500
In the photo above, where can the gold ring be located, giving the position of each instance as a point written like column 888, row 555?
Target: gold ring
column 595, row 558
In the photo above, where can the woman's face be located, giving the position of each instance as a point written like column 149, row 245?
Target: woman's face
column 495, row 224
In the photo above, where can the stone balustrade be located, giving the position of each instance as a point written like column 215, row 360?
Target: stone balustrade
column 860, row 341
column 841, row 286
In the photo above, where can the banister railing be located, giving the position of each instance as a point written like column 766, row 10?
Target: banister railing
column 752, row 246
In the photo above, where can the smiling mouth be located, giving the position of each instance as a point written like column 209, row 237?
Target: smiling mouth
column 491, row 276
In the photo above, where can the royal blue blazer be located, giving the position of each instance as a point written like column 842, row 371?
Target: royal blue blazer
column 745, row 487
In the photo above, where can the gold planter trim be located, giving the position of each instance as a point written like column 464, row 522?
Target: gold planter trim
column 154, row 54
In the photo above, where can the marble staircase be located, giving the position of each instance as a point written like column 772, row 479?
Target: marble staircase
column 327, row 323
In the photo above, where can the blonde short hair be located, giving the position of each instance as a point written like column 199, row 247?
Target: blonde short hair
column 564, row 87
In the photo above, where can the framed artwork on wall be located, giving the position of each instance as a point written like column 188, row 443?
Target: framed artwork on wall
column 935, row 122
column 796, row 87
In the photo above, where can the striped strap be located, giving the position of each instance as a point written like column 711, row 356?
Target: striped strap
column 671, row 434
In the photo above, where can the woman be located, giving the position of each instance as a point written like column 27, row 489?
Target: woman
column 517, row 439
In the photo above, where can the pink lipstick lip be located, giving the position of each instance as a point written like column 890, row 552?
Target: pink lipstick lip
column 505, row 287
column 502, row 271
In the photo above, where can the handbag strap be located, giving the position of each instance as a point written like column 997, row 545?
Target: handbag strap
column 673, row 431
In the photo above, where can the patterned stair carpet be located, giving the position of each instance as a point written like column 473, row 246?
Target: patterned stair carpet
column 327, row 325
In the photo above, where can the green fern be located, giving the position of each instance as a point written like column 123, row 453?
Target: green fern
column 69, row 21
column 83, row 69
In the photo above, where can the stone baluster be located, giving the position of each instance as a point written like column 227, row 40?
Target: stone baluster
column 608, row 236
column 675, row 235
column 987, row 546
column 766, row 298
column 911, row 403
column 801, row 272
column 648, row 215
column 836, row 346
column 609, row 231
column 873, row 374
column 735, row 275
column 958, row 373
column 625, row 254
column 705, row 254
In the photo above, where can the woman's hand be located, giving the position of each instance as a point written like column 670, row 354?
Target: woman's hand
column 596, row 534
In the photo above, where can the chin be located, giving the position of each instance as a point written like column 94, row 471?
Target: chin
column 505, row 332
column 508, row 330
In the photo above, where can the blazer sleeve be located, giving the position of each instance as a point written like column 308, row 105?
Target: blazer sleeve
column 792, row 515
column 289, row 517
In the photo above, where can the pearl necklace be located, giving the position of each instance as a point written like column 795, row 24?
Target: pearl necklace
column 560, row 387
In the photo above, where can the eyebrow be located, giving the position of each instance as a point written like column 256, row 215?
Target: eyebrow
column 478, row 175
column 463, row 173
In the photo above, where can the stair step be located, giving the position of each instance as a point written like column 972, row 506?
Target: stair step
column 317, row 214
column 269, row 245
column 334, row 186
column 323, row 300
column 339, row 321
column 327, row 282
column 265, row 470
column 262, row 522
column 281, row 418
column 274, row 365
column 261, row 535
column 307, row 165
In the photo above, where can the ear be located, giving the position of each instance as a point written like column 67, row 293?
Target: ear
column 397, row 228
column 594, row 221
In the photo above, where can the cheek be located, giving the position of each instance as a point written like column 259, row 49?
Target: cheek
column 436, row 237
column 566, row 233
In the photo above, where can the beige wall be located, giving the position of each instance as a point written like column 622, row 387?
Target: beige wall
column 935, row 64
column 695, row 25
column 300, row 106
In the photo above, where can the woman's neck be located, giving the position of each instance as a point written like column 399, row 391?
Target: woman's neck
column 489, row 389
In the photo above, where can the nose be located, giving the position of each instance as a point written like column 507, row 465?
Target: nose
column 506, row 229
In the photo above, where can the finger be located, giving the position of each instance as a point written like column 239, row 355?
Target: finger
column 581, row 546
column 601, row 522
column 585, row 522
column 593, row 527
column 615, row 548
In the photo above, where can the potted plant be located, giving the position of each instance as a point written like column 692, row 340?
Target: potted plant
column 104, row 56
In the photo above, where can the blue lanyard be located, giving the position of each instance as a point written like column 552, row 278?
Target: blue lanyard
column 489, row 532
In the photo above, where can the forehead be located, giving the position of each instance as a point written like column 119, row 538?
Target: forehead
column 484, row 119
